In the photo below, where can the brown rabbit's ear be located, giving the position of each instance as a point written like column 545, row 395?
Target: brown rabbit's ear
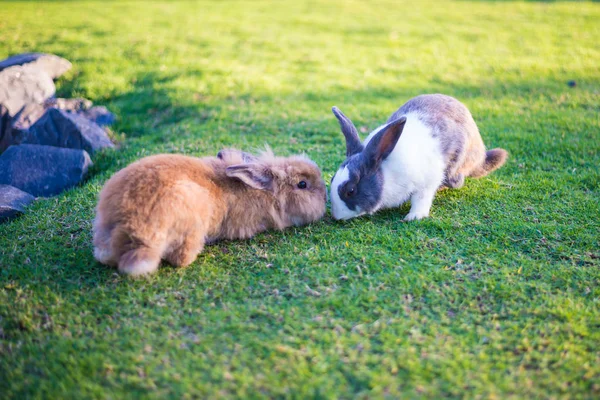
column 230, row 154
column 255, row 175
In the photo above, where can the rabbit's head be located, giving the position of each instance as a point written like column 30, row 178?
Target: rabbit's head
column 357, row 186
column 295, row 183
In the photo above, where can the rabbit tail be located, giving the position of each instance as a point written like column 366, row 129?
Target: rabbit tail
column 494, row 159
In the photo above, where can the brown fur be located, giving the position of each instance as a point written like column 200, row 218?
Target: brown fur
column 168, row 206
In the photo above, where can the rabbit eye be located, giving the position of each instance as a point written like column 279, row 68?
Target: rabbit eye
column 301, row 185
column 350, row 192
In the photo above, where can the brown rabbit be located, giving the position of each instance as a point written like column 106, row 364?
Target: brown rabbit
column 166, row 207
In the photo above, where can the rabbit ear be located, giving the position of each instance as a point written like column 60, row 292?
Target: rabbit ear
column 252, row 174
column 383, row 143
column 353, row 144
column 231, row 153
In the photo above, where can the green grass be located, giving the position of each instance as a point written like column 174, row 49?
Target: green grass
column 495, row 296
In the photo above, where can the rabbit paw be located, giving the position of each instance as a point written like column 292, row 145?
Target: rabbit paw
column 416, row 215
column 420, row 204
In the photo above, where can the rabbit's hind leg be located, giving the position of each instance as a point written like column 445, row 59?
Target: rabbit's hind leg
column 187, row 251
column 454, row 182
column 102, row 245
column 142, row 260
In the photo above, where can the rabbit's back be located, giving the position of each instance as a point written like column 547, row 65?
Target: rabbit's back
column 141, row 190
column 155, row 202
column 451, row 124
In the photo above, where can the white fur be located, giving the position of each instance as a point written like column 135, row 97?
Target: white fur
column 414, row 169
column 339, row 210
column 140, row 268
column 420, row 204
column 104, row 255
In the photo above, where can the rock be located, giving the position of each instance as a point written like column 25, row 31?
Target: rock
column 76, row 104
column 13, row 202
column 35, row 124
column 22, row 85
column 67, row 129
column 5, row 127
column 43, row 170
column 19, row 59
column 54, row 66
column 27, row 117
column 15, row 129
column 29, row 113
column 100, row 115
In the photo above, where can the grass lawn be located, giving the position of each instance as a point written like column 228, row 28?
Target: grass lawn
column 495, row 296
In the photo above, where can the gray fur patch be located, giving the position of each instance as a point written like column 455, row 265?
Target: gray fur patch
column 453, row 125
column 368, row 185
column 353, row 143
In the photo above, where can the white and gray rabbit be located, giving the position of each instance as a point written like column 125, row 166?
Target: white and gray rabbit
column 431, row 142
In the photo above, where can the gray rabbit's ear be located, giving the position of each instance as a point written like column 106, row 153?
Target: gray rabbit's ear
column 353, row 143
column 383, row 143
column 254, row 175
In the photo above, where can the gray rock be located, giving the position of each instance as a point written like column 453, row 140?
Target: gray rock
column 100, row 115
column 67, row 129
column 43, row 170
column 76, row 104
column 29, row 113
column 22, row 85
column 13, row 202
column 54, row 66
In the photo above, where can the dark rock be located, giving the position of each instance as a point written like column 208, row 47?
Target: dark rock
column 43, row 170
column 572, row 83
column 13, row 130
column 19, row 59
column 100, row 115
column 28, row 116
column 22, row 85
column 35, row 124
column 5, row 128
column 13, row 202
column 54, row 66
column 66, row 129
